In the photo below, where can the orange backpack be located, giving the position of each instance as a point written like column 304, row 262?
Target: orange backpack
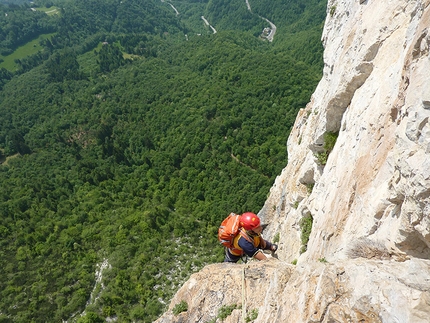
column 228, row 229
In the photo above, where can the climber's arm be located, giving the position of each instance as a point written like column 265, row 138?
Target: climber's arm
column 250, row 250
column 259, row 255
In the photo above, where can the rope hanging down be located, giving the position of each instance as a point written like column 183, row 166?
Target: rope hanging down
column 243, row 295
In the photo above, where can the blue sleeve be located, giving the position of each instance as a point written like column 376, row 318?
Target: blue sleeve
column 268, row 245
column 248, row 247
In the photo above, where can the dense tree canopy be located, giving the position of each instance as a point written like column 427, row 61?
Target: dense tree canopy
column 18, row 25
column 125, row 143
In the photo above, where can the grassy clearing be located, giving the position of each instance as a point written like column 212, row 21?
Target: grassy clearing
column 88, row 60
column 30, row 48
column 50, row 11
column 4, row 160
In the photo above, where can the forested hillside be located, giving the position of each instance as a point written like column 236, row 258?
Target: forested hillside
column 127, row 133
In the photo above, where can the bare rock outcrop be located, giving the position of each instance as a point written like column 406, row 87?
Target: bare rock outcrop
column 367, row 258
column 349, row 291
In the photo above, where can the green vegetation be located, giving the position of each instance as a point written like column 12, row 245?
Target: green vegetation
column 329, row 142
column 322, row 157
column 180, row 307
column 330, row 139
column 19, row 25
column 226, row 310
column 310, row 187
column 91, row 317
column 252, row 315
column 306, row 229
column 123, row 142
column 11, row 62
column 276, row 238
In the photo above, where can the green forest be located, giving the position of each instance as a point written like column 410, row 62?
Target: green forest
column 128, row 131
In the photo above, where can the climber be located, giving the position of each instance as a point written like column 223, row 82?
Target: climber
column 249, row 241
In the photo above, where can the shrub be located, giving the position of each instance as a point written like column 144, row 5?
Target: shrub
column 226, row 311
column 322, row 158
column 180, row 307
column 276, row 238
column 91, row 318
column 252, row 315
column 330, row 139
column 306, row 228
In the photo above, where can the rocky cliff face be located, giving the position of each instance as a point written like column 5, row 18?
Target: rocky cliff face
column 368, row 196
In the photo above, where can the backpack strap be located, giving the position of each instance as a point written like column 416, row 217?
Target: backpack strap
column 245, row 235
column 236, row 250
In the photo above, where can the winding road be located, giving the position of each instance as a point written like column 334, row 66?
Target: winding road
column 177, row 12
column 269, row 36
column 272, row 32
column 207, row 23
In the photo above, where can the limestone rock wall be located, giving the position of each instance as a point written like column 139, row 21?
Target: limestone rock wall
column 368, row 255
column 375, row 94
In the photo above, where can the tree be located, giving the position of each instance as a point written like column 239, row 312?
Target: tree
column 91, row 317
column 5, row 76
column 63, row 66
column 110, row 57
column 16, row 144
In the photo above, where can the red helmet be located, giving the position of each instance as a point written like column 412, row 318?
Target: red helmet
column 249, row 221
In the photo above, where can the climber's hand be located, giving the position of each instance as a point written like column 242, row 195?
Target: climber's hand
column 274, row 247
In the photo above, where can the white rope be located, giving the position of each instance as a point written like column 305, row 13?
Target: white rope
column 243, row 295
